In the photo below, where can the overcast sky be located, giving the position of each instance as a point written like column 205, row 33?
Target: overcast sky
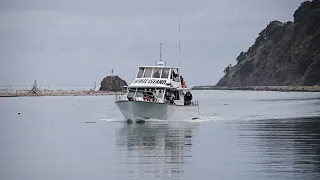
column 77, row 42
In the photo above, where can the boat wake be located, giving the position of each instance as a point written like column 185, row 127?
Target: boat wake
column 215, row 118
column 116, row 119
column 197, row 120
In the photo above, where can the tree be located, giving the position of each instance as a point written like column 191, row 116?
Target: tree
column 227, row 69
column 272, row 28
column 242, row 56
column 302, row 12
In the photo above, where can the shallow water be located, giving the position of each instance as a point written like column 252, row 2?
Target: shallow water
column 241, row 135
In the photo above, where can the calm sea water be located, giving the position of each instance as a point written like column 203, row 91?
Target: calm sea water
column 241, row 135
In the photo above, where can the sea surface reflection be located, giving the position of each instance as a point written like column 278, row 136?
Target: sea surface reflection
column 155, row 149
column 243, row 135
column 283, row 148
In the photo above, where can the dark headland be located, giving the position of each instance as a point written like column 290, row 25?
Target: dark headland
column 285, row 56
column 112, row 83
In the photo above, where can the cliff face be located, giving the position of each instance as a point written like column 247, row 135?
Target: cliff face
column 112, row 83
column 283, row 54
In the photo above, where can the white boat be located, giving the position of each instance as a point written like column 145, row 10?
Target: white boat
column 146, row 98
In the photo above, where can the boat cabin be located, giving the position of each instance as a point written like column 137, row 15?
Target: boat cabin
column 157, row 84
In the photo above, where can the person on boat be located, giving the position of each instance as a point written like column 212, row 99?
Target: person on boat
column 164, row 74
column 145, row 94
column 130, row 97
column 151, row 94
column 167, row 96
column 173, row 73
column 187, row 98
column 172, row 97
column 176, row 78
column 183, row 83
column 160, row 94
column 156, row 74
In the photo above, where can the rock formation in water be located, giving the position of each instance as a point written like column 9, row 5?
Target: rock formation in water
column 283, row 54
column 112, row 83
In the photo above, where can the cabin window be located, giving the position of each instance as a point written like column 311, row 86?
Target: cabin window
column 147, row 73
column 156, row 73
column 165, row 73
column 140, row 72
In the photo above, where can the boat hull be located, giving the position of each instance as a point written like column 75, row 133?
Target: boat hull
column 142, row 110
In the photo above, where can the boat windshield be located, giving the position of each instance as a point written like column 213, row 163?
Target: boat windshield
column 165, row 73
column 147, row 72
column 140, row 72
column 156, row 72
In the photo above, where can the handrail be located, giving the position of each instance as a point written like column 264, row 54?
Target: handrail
column 194, row 102
column 144, row 90
column 119, row 97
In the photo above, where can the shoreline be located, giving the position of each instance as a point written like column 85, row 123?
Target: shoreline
column 59, row 92
column 263, row 88
column 27, row 93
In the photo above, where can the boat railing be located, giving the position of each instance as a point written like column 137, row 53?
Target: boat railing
column 195, row 103
column 120, row 96
column 192, row 103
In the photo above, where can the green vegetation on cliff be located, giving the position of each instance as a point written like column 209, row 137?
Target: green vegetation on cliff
column 283, row 54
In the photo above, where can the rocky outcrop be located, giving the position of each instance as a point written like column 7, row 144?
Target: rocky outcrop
column 283, row 53
column 112, row 83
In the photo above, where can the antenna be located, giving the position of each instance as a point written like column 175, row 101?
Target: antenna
column 179, row 41
column 160, row 62
column 160, row 51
